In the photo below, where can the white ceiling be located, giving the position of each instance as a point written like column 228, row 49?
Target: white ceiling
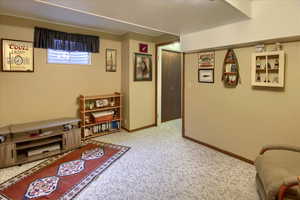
column 150, row 17
column 173, row 47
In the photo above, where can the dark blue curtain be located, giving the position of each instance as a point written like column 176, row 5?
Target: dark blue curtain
column 51, row 39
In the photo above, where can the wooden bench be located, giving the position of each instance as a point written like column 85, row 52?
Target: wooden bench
column 20, row 139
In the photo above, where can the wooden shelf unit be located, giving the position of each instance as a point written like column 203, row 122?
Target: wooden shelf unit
column 23, row 138
column 93, row 124
column 88, row 106
column 102, row 134
column 100, row 109
column 22, row 158
column 268, row 69
column 36, row 143
column 230, row 74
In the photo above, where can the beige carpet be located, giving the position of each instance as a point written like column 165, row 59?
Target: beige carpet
column 161, row 165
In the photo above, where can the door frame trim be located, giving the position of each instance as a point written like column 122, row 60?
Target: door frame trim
column 156, row 74
column 183, row 95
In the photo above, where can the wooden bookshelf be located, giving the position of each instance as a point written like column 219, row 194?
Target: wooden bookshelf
column 100, row 109
column 97, row 123
column 98, row 104
column 102, row 134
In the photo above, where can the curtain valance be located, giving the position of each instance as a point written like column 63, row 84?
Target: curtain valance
column 51, row 39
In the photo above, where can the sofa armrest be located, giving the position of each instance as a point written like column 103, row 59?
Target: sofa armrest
column 291, row 181
column 280, row 147
column 287, row 183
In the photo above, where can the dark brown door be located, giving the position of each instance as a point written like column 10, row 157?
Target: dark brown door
column 171, row 86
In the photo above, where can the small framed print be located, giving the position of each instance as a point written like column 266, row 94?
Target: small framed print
column 111, row 60
column 206, row 60
column 17, row 56
column 143, row 48
column 143, row 67
column 206, row 75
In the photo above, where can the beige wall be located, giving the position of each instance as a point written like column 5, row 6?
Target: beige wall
column 142, row 93
column 243, row 119
column 270, row 20
column 139, row 96
column 52, row 90
column 125, row 83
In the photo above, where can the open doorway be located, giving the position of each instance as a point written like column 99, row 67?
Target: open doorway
column 169, row 82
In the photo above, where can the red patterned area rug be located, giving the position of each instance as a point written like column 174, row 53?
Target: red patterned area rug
column 63, row 176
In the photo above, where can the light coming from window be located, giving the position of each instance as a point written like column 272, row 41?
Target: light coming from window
column 66, row 57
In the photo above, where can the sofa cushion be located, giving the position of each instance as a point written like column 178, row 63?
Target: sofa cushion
column 275, row 166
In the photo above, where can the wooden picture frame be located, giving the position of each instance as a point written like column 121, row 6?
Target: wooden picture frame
column 143, row 48
column 206, row 76
column 17, row 56
column 111, row 60
column 143, row 67
column 206, row 59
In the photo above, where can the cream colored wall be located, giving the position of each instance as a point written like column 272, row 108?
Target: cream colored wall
column 139, row 96
column 243, row 119
column 270, row 20
column 142, row 93
column 52, row 90
column 125, row 83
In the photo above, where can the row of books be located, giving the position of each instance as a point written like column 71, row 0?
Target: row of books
column 104, row 127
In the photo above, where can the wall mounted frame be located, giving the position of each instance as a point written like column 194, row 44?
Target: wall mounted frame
column 17, row 56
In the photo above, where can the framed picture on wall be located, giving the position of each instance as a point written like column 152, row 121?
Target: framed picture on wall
column 143, row 48
column 143, row 67
column 111, row 60
column 17, row 56
column 206, row 75
column 206, row 60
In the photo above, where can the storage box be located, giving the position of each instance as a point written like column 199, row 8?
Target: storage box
column 103, row 116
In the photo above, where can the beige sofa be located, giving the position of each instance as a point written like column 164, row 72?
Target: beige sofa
column 278, row 171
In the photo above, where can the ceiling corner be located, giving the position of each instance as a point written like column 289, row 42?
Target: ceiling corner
column 244, row 6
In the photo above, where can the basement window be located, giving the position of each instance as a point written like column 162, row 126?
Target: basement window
column 68, row 57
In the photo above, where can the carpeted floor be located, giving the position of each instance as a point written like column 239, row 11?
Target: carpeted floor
column 161, row 165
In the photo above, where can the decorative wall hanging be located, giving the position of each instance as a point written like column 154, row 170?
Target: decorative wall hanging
column 230, row 76
column 143, row 67
column 17, row 56
column 268, row 69
column 206, row 59
column 205, row 75
column 143, row 48
column 111, row 60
